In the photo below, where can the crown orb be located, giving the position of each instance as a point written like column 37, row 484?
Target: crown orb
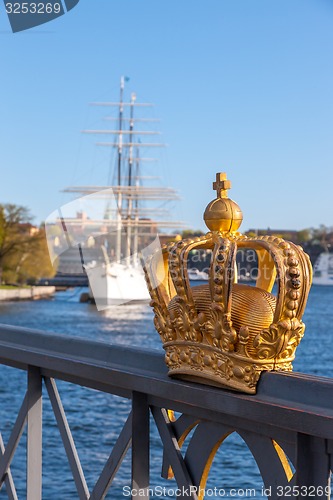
column 223, row 214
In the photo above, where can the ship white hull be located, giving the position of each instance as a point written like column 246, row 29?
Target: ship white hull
column 115, row 284
column 327, row 281
column 323, row 270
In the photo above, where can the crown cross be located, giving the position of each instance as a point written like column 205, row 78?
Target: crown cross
column 221, row 185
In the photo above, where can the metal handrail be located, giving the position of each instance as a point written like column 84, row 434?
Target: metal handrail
column 290, row 408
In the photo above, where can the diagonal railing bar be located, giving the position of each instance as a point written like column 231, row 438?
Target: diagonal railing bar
column 181, row 429
column 172, row 451
column 14, row 439
column 114, row 461
column 9, row 482
column 67, row 439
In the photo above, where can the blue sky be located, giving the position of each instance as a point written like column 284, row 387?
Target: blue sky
column 242, row 86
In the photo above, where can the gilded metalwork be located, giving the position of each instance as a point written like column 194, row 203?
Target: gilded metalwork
column 226, row 333
column 222, row 214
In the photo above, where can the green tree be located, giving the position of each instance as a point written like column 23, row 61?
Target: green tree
column 251, row 234
column 304, row 235
column 23, row 248
column 320, row 236
column 189, row 233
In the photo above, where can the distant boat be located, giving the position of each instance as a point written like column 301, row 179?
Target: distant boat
column 323, row 270
column 246, row 277
column 195, row 275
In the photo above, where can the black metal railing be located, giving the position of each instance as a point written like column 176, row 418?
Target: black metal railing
column 287, row 425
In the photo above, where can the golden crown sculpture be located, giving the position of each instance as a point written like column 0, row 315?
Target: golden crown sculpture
column 225, row 333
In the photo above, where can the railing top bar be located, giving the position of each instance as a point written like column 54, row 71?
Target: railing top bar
column 288, row 401
column 27, row 341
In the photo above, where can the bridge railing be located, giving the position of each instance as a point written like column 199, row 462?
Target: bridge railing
column 287, row 425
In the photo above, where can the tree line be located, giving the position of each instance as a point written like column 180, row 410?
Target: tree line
column 313, row 240
column 24, row 254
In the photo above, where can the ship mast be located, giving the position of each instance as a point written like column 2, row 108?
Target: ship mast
column 120, row 128
column 130, row 167
column 120, row 142
column 130, row 221
column 136, row 205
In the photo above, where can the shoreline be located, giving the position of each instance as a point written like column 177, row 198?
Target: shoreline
column 31, row 293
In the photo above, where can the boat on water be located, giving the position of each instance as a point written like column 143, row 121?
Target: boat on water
column 135, row 214
column 195, row 275
column 323, row 269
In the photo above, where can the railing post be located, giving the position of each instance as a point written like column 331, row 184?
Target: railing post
column 312, row 467
column 140, row 446
column 34, row 435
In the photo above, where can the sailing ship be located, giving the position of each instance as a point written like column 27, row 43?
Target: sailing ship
column 323, row 269
column 133, row 215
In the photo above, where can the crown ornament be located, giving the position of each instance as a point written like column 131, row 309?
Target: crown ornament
column 224, row 333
